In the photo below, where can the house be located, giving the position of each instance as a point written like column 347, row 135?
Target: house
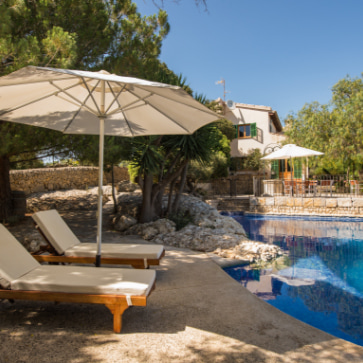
column 257, row 127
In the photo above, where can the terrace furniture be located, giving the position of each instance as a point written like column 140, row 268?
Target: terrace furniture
column 65, row 247
column 300, row 188
column 288, row 187
column 312, row 187
column 354, row 187
column 23, row 278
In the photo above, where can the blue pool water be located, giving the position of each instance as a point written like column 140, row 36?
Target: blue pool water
column 319, row 280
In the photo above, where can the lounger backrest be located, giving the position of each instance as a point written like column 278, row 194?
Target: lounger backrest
column 55, row 230
column 15, row 260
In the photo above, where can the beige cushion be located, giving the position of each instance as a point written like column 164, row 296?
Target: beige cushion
column 65, row 242
column 89, row 280
column 15, row 260
column 56, row 230
column 116, row 250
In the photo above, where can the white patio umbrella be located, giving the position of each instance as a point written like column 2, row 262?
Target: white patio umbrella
column 81, row 102
column 291, row 151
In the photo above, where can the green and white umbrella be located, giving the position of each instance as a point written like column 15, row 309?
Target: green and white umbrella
column 98, row 103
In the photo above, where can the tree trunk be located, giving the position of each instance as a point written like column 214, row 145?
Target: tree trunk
column 147, row 211
column 5, row 190
column 183, row 178
column 157, row 202
column 170, row 198
column 113, row 189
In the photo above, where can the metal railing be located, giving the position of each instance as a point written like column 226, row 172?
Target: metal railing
column 328, row 186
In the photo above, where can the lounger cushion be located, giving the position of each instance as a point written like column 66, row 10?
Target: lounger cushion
column 56, row 230
column 15, row 260
column 88, row 280
column 115, row 250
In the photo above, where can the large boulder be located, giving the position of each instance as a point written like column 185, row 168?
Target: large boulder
column 151, row 230
column 123, row 222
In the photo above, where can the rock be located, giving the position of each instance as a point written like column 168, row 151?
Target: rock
column 129, row 204
column 127, row 186
column 33, row 242
column 122, row 223
column 150, row 230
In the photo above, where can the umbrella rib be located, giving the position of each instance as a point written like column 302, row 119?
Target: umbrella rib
column 154, row 107
column 55, row 93
column 205, row 109
column 91, row 93
column 79, row 110
column 115, row 97
column 77, row 101
column 162, row 112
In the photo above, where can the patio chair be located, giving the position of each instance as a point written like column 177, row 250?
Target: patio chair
column 288, row 187
column 23, row 278
column 65, row 247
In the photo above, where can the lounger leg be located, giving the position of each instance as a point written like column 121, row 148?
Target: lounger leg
column 138, row 266
column 117, row 310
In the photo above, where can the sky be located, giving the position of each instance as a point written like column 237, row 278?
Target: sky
column 277, row 53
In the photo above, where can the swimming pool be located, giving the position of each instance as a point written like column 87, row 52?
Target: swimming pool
column 319, row 280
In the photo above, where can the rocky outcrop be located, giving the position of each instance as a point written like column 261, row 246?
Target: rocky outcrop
column 209, row 232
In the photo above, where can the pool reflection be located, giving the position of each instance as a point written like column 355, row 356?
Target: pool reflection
column 319, row 280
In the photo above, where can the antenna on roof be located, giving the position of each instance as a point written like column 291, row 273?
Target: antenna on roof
column 223, row 82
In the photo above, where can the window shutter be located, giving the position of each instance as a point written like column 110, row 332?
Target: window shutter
column 253, row 130
column 274, row 169
column 297, row 168
column 236, row 128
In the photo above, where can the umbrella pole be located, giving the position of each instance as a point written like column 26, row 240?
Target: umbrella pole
column 100, row 175
column 292, row 179
column 100, row 193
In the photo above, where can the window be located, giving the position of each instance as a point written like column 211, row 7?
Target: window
column 246, row 131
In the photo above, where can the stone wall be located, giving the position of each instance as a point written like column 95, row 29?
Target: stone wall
column 337, row 207
column 50, row 179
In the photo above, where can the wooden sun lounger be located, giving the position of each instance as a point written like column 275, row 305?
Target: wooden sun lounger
column 64, row 247
column 117, row 304
column 23, row 278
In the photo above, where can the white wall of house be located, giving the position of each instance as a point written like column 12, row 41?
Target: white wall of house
column 267, row 122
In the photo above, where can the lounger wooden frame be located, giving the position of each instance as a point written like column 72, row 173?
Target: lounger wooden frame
column 55, row 257
column 117, row 304
column 136, row 263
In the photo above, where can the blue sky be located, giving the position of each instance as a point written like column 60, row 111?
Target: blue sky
column 278, row 53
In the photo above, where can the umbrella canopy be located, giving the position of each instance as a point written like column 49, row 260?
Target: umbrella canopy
column 291, row 151
column 81, row 102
